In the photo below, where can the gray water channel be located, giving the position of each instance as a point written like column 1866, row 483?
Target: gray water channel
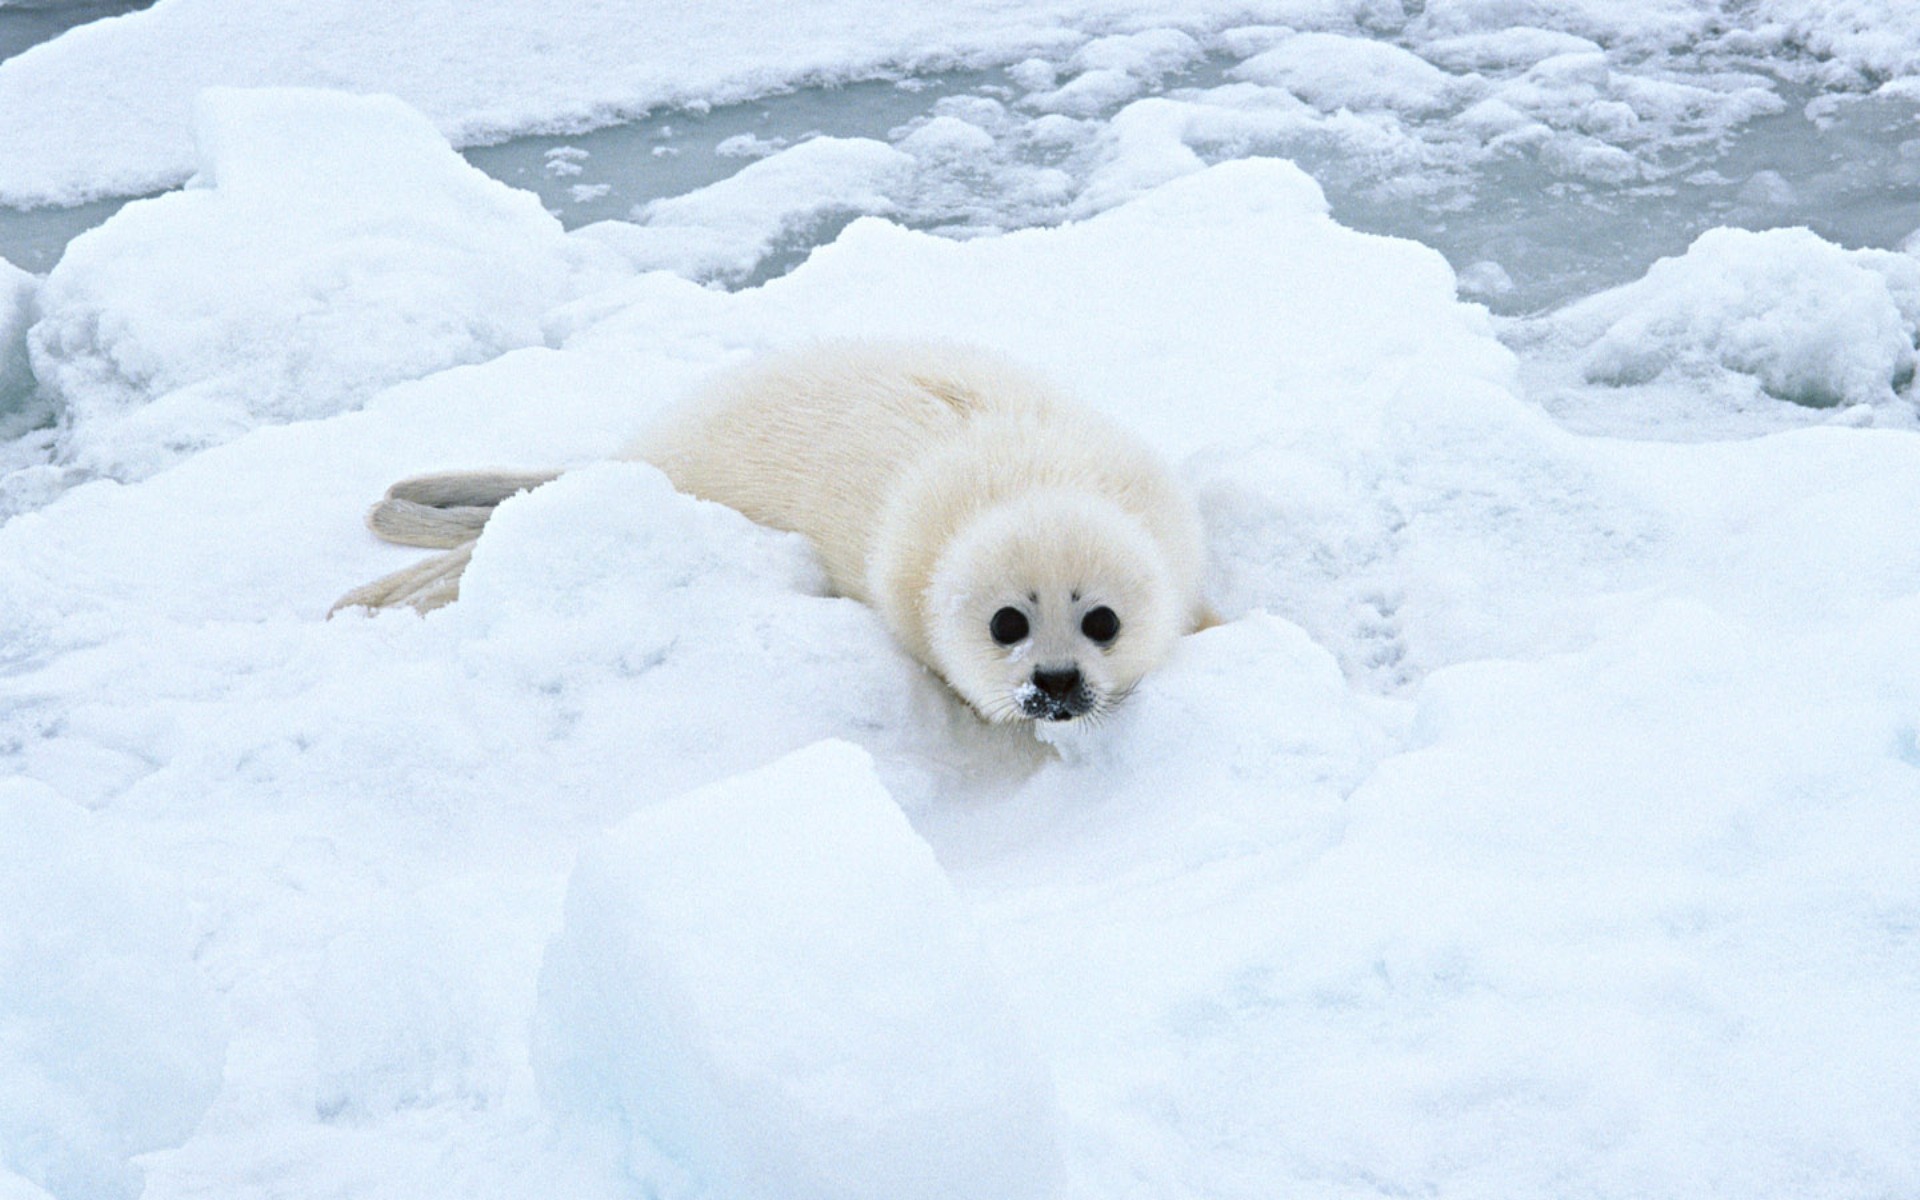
column 608, row 173
column 1852, row 176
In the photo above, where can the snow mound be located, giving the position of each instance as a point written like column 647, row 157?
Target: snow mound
column 610, row 603
column 553, row 551
column 1287, row 740
column 1517, row 46
column 771, row 990
column 1805, row 320
column 1675, row 813
column 110, row 1044
column 333, row 245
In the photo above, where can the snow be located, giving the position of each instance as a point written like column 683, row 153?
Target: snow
column 1333, row 72
column 1813, row 324
column 770, row 983
column 1517, row 46
column 332, row 245
column 113, row 1043
column 1537, row 822
column 1748, row 320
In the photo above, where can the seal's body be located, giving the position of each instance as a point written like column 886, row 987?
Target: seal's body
column 1034, row 555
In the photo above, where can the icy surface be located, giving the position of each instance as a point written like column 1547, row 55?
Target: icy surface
column 770, row 984
column 1539, row 822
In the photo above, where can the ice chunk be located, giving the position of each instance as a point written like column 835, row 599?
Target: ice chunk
column 770, row 985
column 723, row 231
column 1485, row 279
column 1115, row 69
column 110, row 1044
column 17, row 297
column 1332, row 71
column 1515, row 46
column 747, row 145
column 1852, row 40
column 950, row 138
column 1808, row 321
column 335, row 245
column 1149, row 55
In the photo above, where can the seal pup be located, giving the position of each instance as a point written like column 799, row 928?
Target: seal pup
column 1035, row 556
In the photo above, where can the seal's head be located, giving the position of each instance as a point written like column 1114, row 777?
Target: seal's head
column 1050, row 607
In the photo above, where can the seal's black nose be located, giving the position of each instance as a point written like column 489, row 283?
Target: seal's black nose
column 1058, row 684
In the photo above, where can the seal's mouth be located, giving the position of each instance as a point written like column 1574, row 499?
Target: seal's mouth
column 1036, row 705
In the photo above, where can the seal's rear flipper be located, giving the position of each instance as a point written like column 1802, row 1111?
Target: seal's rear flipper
column 411, row 524
column 442, row 512
column 424, row 586
column 468, row 489
column 449, row 509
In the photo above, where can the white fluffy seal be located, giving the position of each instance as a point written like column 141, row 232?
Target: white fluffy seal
column 1039, row 559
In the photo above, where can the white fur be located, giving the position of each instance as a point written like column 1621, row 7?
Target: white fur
column 938, row 484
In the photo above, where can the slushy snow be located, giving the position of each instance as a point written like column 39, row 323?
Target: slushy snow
column 1538, row 821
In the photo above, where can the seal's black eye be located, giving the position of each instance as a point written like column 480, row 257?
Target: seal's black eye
column 1100, row 624
column 1008, row 626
